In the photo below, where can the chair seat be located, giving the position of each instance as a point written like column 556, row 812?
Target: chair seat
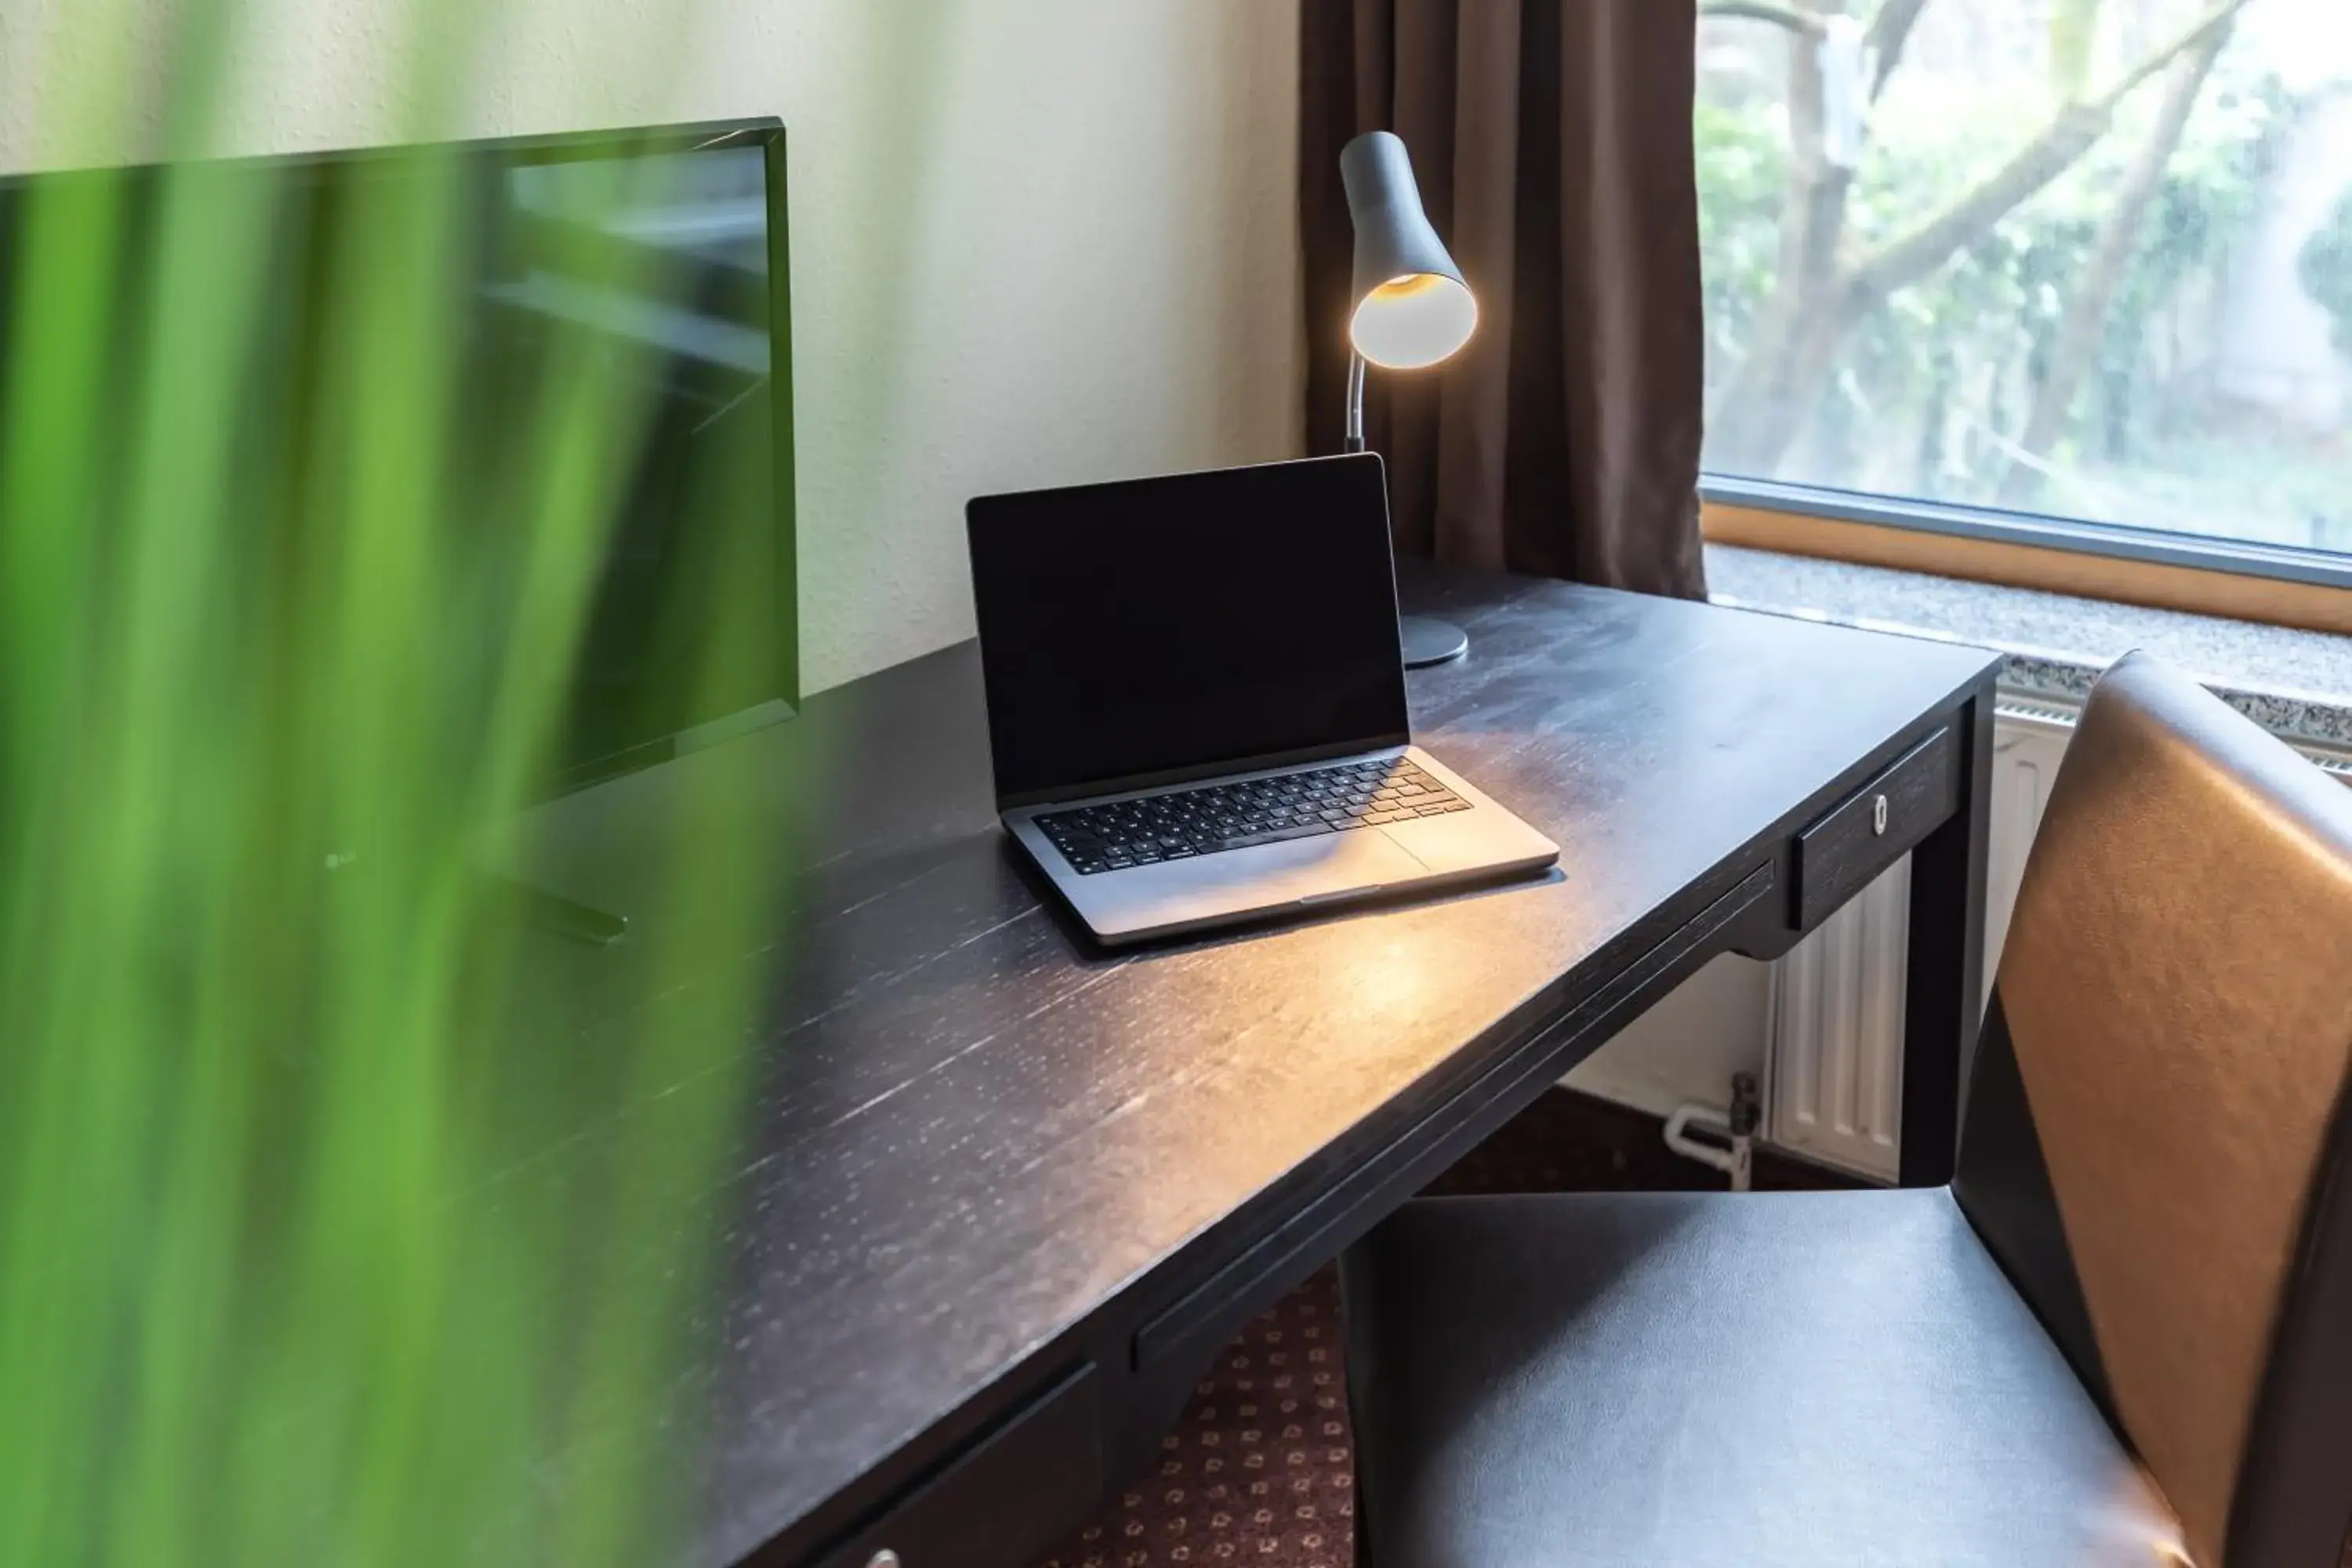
column 1780, row 1378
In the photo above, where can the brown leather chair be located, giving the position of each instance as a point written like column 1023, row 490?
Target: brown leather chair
column 2124, row 1333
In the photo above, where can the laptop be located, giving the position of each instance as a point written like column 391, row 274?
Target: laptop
column 1196, row 702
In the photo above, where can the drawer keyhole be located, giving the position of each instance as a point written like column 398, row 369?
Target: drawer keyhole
column 1878, row 815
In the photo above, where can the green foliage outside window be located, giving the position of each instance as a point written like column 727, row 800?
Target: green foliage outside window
column 2015, row 363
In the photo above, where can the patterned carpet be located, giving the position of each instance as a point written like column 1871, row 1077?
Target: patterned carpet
column 1260, row 1468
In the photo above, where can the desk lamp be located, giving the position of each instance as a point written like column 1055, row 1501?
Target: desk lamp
column 1411, row 310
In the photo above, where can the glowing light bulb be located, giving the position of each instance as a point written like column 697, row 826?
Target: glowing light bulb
column 1413, row 322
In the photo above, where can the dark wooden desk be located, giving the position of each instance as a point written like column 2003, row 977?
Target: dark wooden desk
column 1002, row 1195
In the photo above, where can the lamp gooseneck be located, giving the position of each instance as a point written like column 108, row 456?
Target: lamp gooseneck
column 1355, row 441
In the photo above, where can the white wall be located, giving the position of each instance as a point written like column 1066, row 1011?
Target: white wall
column 1034, row 241
column 1716, row 1024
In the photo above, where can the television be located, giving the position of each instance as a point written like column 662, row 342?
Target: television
column 661, row 251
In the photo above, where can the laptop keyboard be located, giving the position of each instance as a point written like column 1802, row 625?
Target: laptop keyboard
column 1239, row 816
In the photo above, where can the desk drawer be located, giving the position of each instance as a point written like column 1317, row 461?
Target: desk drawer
column 1876, row 825
column 1005, row 1499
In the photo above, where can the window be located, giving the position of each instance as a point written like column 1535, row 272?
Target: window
column 2078, row 259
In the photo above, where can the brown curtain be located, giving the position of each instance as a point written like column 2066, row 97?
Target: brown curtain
column 1552, row 143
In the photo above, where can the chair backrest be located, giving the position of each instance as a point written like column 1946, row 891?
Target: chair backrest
column 2156, row 1143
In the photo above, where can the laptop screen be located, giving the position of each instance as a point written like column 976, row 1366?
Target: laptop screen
column 1170, row 628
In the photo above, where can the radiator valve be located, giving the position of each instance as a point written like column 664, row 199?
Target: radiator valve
column 1735, row 1127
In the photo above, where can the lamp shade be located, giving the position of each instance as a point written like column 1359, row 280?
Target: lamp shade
column 1411, row 307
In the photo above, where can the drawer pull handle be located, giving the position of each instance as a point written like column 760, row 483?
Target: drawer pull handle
column 1878, row 817
column 886, row 1558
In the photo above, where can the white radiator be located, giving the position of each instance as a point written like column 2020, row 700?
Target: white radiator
column 1833, row 1064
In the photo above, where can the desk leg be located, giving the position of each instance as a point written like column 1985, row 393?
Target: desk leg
column 1946, row 993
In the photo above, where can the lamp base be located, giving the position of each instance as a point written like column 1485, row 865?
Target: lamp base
column 1428, row 641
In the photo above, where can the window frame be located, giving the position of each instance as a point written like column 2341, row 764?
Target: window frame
column 2198, row 552
column 2199, row 573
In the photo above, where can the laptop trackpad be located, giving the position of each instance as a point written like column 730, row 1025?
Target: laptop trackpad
column 1268, row 876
